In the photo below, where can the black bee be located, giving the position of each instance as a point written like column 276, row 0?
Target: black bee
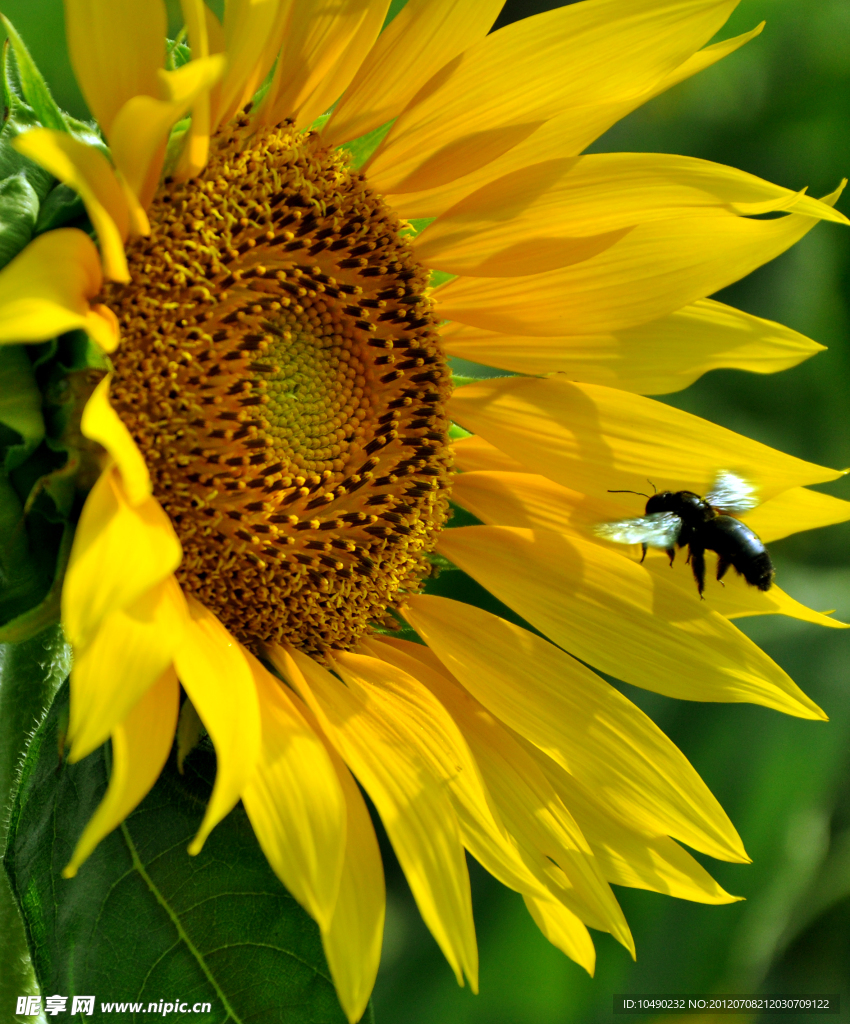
column 685, row 519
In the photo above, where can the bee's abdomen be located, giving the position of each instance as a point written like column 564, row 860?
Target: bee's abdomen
column 758, row 571
column 736, row 543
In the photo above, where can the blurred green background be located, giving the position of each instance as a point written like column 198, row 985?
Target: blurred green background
column 779, row 108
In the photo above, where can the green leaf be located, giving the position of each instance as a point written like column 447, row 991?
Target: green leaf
column 20, row 407
column 30, row 674
column 143, row 920
column 33, row 86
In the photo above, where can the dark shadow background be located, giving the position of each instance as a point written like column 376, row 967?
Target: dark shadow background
column 778, row 108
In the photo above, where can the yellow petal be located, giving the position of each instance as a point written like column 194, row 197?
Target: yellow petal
column 626, row 855
column 530, row 500
column 654, row 270
column 250, row 37
column 733, row 597
column 483, row 833
column 87, row 171
column 140, row 128
column 295, row 802
column 322, row 51
column 703, row 59
column 423, row 37
column 616, row 615
column 500, row 498
column 339, row 75
column 564, row 930
column 651, row 359
column 46, row 289
column 116, row 49
column 585, row 725
column 434, row 739
column 500, row 90
column 392, row 763
column 593, row 438
column 140, row 748
column 214, row 672
column 193, row 156
column 545, row 833
column 565, row 135
column 527, row 255
column 352, row 940
column 120, row 552
column 130, row 651
column 550, row 205
column 101, row 423
column 216, row 38
column 473, row 452
column 794, row 510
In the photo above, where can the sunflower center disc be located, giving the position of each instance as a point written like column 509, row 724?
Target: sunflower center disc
column 281, row 373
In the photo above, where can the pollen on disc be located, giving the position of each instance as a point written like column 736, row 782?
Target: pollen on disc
column 282, row 376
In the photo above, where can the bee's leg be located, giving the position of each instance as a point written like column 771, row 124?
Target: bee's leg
column 644, row 548
column 723, row 564
column 697, row 560
column 671, row 554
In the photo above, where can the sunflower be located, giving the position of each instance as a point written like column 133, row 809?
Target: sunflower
column 301, row 214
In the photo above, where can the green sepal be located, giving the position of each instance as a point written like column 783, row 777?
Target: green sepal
column 19, row 119
column 31, row 200
column 21, row 422
column 47, row 612
column 457, row 433
column 46, row 466
column 174, row 147
column 61, row 208
column 440, row 563
column 415, row 226
column 29, row 546
column 360, row 149
column 33, row 86
column 218, row 927
column 439, row 277
column 394, row 8
column 177, row 53
column 19, row 208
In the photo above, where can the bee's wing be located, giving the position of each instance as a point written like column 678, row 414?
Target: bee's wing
column 658, row 530
column 732, row 494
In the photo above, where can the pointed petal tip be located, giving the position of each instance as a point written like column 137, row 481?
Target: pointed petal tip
column 833, row 198
column 197, row 844
column 77, row 752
